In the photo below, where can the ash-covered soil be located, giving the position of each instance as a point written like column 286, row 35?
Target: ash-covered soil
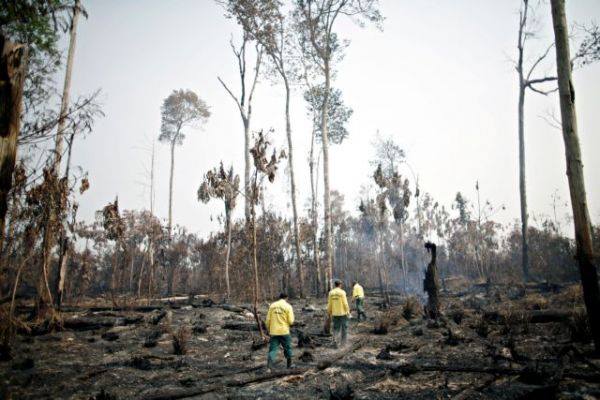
column 502, row 342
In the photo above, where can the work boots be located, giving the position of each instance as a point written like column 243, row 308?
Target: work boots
column 289, row 363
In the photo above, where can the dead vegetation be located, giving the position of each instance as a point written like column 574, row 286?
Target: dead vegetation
column 177, row 350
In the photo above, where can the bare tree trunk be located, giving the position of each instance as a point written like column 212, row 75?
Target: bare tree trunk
column 151, row 269
column 288, row 130
column 581, row 216
column 382, row 275
column 131, row 268
column 402, row 258
column 326, row 200
column 13, row 64
column 521, row 114
column 48, row 241
column 247, row 164
column 523, row 185
column 255, row 294
column 170, row 220
column 228, row 222
column 140, row 278
column 314, row 215
column 63, row 258
column 171, row 271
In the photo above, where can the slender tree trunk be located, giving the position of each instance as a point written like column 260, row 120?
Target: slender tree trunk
column 288, row 130
column 63, row 258
column 171, row 271
column 151, row 269
column 48, row 241
column 255, row 294
column 581, row 216
column 326, row 200
column 140, row 278
column 228, row 222
column 383, row 281
column 523, row 184
column 170, row 220
column 402, row 258
column 131, row 268
column 247, row 164
column 314, row 214
column 521, row 115
column 13, row 65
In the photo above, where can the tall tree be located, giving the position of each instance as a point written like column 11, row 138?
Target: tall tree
column 59, row 280
column 13, row 64
column 339, row 115
column 244, row 103
column 223, row 185
column 266, row 23
column 581, row 216
column 527, row 80
column 264, row 166
column 315, row 21
column 182, row 109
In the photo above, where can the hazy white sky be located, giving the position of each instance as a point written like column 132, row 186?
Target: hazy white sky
column 438, row 79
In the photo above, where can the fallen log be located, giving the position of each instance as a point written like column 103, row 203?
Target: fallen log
column 90, row 323
column 232, row 308
column 412, row 368
column 240, row 326
column 530, row 316
column 324, row 364
column 177, row 393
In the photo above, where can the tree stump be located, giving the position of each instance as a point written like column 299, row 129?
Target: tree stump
column 431, row 284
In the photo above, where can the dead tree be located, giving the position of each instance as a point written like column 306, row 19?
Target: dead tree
column 265, row 168
column 244, row 104
column 54, row 217
column 316, row 22
column 431, row 284
column 266, row 23
column 13, row 63
column 223, row 185
column 115, row 229
column 581, row 216
column 526, row 81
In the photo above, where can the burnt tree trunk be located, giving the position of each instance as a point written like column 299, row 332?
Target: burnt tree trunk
column 431, row 284
column 581, row 216
column 13, row 62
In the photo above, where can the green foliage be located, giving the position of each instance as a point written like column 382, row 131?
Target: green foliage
column 36, row 23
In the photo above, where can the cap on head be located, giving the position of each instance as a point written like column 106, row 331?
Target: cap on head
column 283, row 296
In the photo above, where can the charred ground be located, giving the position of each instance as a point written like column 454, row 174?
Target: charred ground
column 493, row 342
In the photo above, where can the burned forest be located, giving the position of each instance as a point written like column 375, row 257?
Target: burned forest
column 299, row 199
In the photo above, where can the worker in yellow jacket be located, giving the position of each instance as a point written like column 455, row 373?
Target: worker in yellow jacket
column 338, row 310
column 358, row 295
column 279, row 319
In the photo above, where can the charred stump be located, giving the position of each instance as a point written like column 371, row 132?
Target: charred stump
column 431, row 284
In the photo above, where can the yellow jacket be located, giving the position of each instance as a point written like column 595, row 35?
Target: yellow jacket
column 337, row 303
column 358, row 292
column 279, row 318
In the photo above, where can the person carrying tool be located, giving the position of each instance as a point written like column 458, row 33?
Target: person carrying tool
column 279, row 319
column 338, row 310
column 358, row 295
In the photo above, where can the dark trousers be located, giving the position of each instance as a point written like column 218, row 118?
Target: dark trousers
column 360, row 309
column 340, row 325
column 284, row 341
